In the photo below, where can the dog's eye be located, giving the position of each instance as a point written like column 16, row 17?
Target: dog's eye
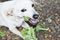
column 23, row 10
column 32, row 5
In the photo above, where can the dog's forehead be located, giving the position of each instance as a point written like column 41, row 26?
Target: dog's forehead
column 24, row 4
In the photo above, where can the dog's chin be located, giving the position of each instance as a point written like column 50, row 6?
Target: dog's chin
column 33, row 21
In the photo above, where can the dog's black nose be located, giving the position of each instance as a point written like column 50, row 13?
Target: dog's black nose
column 35, row 16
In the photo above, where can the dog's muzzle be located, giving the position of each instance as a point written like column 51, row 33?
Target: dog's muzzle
column 34, row 21
column 31, row 21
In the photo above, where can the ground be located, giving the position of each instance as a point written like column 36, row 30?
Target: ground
column 49, row 11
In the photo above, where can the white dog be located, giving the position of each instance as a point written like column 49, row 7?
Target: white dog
column 12, row 14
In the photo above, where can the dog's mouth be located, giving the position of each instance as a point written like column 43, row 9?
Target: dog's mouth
column 33, row 21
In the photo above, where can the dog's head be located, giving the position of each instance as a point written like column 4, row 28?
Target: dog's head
column 26, row 8
column 29, row 11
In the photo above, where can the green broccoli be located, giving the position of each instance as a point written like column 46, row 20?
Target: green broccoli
column 29, row 33
column 2, row 33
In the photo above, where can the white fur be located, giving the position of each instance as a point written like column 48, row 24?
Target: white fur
column 13, row 8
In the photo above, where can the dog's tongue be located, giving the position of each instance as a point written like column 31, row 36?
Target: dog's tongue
column 33, row 21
